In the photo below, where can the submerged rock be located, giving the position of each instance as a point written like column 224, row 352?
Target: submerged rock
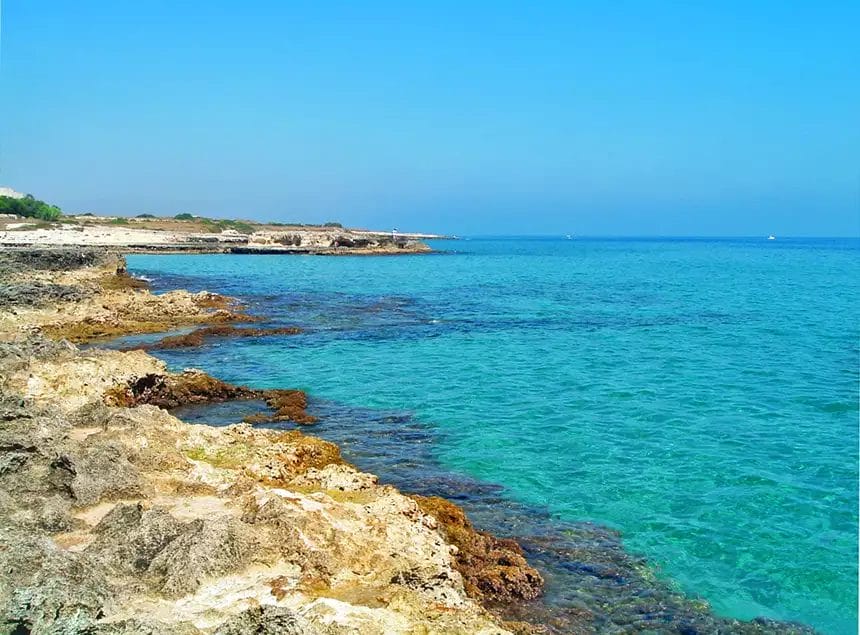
column 199, row 336
column 289, row 405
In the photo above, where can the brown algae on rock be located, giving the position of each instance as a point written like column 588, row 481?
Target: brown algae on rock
column 196, row 387
column 494, row 569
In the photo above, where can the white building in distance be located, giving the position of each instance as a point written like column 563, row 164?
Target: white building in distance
column 8, row 191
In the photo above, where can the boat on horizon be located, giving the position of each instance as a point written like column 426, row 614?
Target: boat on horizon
column 771, row 237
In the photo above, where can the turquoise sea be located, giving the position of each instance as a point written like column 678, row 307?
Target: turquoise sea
column 699, row 396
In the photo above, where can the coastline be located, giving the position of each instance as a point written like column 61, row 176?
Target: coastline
column 170, row 236
column 118, row 517
column 96, row 387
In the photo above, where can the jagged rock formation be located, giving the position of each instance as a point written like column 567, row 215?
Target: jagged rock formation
column 332, row 241
column 492, row 568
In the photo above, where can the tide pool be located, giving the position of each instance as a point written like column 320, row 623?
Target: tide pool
column 700, row 396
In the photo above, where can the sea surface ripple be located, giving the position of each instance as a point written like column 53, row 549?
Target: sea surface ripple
column 699, row 396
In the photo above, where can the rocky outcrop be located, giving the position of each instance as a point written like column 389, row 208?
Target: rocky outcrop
column 66, row 376
column 127, row 520
column 38, row 294
column 83, row 295
column 331, row 241
column 26, row 261
column 168, row 390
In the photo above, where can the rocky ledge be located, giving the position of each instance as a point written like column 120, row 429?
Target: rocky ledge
column 83, row 295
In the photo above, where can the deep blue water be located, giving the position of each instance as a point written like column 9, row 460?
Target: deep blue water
column 700, row 396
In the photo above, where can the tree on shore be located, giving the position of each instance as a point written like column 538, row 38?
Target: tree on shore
column 29, row 207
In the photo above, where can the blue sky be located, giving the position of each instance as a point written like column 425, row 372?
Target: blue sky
column 621, row 118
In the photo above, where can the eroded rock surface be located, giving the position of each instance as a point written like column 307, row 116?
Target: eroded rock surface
column 127, row 520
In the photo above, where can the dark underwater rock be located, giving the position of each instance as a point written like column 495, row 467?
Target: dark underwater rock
column 198, row 337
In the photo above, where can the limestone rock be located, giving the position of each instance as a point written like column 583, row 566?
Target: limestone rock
column 118, row 520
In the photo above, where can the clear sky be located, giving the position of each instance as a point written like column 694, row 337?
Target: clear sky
column 621, row 118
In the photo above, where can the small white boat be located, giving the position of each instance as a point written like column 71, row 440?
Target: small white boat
column 569, row 237
column 771, row 237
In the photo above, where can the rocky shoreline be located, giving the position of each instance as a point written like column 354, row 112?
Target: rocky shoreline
column 117, row 517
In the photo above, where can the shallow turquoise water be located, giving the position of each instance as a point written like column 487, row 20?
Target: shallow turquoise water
column 698, row 395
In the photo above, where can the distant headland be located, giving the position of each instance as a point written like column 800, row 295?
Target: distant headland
column 26, row 221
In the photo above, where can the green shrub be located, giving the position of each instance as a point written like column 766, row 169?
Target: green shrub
column 146, row 216
column 226, row 223
column 29, row 207
column 338, row 225
column 118, row 221
column 184, row 216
